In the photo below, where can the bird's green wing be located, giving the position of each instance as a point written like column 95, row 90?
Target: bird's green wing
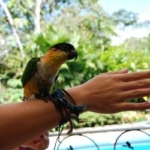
column 29, row 70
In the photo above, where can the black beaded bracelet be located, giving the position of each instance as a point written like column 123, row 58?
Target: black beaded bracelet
column 68, row 111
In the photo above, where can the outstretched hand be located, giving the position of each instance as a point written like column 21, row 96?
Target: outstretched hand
column 109, row 92
column 112, row 90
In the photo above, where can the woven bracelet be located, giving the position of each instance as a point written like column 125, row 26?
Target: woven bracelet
column 68, row 111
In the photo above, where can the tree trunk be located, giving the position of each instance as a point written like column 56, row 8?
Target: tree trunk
column 11, row 22
column 37, row 28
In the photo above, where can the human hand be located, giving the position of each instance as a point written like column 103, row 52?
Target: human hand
column 39, row 143
column 108, row 92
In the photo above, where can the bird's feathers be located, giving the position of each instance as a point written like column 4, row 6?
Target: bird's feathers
column 29, row 70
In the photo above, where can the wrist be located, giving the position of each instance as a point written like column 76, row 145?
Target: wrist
column 79, row 95
column 67, row 106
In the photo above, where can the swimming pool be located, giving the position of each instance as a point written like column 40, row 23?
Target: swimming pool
column 137, row 147
column 77, row 142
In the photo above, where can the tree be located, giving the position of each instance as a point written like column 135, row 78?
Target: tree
column 40, row 24
column 125, row 18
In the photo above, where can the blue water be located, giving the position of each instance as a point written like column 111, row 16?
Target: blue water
column 135, row 145
column 140, row 146
column 143, row 146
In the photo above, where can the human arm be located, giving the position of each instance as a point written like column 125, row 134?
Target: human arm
column 24, row 121
column 105, row 93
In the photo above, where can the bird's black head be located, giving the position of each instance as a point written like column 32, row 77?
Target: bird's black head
column 68, row 48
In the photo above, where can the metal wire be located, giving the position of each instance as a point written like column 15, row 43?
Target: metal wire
column 79, row 135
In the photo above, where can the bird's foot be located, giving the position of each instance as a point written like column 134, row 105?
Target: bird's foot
column 44, row 96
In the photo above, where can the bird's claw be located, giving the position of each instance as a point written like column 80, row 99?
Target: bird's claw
column 44, row 96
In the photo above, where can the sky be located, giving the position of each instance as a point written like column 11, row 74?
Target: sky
column 141, row 7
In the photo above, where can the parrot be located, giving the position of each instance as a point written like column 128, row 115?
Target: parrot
column 41, row 73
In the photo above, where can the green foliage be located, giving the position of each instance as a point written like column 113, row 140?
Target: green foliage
column 118, row 57
column 95, row 119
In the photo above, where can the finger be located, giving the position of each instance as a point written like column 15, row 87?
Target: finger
column 38, row 139
column 47, row 134
column 135, row 76
column 139, row 84
column 116, row 72
column 43, row 144
column 41, row 137
column 45, row 141
column 127, row 106
column 137, row 93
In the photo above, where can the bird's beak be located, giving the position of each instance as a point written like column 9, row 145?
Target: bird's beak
column 72, row 54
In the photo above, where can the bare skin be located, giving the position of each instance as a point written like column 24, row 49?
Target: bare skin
column 105, row 93
column 39, row 143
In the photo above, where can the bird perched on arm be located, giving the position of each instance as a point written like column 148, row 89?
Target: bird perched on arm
column 41, row 73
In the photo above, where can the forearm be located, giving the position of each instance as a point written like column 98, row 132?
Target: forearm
column 24, row 121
